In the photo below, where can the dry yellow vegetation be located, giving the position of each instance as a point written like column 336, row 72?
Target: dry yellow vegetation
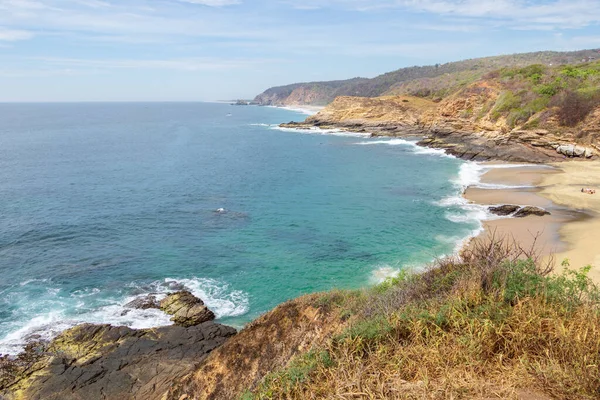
column 494, row 326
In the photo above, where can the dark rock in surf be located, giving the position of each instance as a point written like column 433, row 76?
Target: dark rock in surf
column 186, row 309
column 530, row 210
column 116, row 362
column 144, row 303
column 504, row 210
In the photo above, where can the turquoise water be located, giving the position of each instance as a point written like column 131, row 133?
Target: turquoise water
column 103, row 202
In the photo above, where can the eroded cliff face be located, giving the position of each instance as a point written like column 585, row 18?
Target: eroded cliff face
column 374, row 112
column 264, row 346
column 470, row 124
column 300, row 96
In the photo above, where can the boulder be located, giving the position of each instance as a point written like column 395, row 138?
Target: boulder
column 186, row 309
column 504, row 210
column 571, row 150
column 531, row 210
column 144, row 303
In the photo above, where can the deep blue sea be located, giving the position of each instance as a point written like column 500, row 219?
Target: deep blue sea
column 100, row 203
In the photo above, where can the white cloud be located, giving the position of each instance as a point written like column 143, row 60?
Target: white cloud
column 213, row 3
column 137, row 18
column 12, row 35
column 518, row 14
column 179, row 64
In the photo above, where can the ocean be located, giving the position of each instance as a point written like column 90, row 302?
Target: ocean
column 101, row 203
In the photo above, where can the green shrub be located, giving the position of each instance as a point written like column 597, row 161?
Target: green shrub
column 505, row 102
column 549, row 89
column 519, row 116
column 532, row 70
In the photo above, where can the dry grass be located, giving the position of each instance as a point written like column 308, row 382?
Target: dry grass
column 488, row 326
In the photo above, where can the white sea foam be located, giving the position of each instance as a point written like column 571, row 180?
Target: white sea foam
column 383, row 272
column 311, row 110
column 389, row 142
column 28, row 281
column 265, row 125
column 217, row 295
column 410, row 144
column 498, row 186
column 315, row 130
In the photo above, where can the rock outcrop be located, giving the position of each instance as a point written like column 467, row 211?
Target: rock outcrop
column 518, row 211
column 530, row 210
column 113, row 362
column 463, row 125
column 571, row 150
column 186, row 309
column 504, row 210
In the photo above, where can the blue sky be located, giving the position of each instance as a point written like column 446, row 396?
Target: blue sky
column 130, row 50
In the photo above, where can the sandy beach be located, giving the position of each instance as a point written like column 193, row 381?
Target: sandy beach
column 571, row 232
column 582, row 237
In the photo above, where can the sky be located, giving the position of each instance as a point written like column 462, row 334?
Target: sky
column 202, row 50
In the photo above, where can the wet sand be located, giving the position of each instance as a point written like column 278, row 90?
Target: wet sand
column 572, row 231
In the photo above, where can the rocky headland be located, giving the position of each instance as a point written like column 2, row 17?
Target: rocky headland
column 467, row 124
column 115, row 362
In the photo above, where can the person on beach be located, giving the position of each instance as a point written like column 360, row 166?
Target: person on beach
column 588, row 191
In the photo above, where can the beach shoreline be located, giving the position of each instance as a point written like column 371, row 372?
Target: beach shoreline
column 568, row 233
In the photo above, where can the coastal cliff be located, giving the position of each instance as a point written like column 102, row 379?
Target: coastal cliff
column 525, row 114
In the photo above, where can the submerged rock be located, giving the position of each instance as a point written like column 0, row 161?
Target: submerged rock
column 186, row 309
column 504, row 210
column 531, row 210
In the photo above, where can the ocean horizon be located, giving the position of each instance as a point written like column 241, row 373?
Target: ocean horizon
column 105, row 202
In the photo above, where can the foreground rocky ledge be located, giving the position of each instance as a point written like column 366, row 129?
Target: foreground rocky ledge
column 204, row 361
column 109, row 362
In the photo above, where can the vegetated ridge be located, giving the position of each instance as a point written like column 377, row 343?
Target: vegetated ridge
column 495, row 324
column 433, row 81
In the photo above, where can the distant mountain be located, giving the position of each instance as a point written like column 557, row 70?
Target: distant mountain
column 433, row 81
